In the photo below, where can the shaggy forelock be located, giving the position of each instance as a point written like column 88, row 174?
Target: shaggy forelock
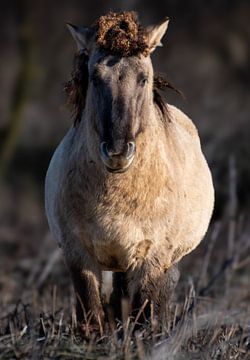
column 121, row 34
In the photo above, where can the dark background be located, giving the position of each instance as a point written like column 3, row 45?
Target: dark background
column 206, row 55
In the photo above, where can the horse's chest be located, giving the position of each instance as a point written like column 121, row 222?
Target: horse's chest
column 118, row 241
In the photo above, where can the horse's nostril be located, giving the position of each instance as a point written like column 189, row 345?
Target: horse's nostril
column 104, row 150
column 126, row 151
column 107, row 151
column 130, row 149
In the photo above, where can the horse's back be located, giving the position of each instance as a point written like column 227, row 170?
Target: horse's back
column 183, row 120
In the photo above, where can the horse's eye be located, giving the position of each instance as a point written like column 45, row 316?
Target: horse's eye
column 143, row 81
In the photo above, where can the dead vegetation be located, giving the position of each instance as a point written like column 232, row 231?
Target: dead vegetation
column 210, row 322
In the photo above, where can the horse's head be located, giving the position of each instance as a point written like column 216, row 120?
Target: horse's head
column 120, row 81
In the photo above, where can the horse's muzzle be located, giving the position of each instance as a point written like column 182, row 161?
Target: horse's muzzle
column 117, row 162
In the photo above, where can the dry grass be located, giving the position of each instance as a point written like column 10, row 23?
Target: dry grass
column 209, row 319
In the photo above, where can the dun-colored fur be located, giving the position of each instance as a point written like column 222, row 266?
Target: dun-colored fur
column 141, row 222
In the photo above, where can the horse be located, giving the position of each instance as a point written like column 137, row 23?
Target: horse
column 128, row 189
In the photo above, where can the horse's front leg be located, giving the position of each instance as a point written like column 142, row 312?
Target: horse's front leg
column 119, row 293
column 153, row 288
column 87, row 284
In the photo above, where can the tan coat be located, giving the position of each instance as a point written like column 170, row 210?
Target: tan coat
column 158, row 211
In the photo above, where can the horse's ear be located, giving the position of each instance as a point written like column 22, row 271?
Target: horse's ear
column 82, row 36
column 156, row 33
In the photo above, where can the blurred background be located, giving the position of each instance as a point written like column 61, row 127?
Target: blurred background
column 206, row 55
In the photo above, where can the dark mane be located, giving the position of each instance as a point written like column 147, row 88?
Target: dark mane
column 76, row 88
column 161, row 84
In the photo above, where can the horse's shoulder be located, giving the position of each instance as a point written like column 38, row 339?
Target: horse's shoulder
column 183, row 120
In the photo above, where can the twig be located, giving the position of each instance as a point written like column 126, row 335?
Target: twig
column 206, row 289
column 232, row 211
column 205, row 263
column 49, row 266
column 226, row 264
column 129, row 333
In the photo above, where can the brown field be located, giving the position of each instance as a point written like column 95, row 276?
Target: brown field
column 208, row 319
